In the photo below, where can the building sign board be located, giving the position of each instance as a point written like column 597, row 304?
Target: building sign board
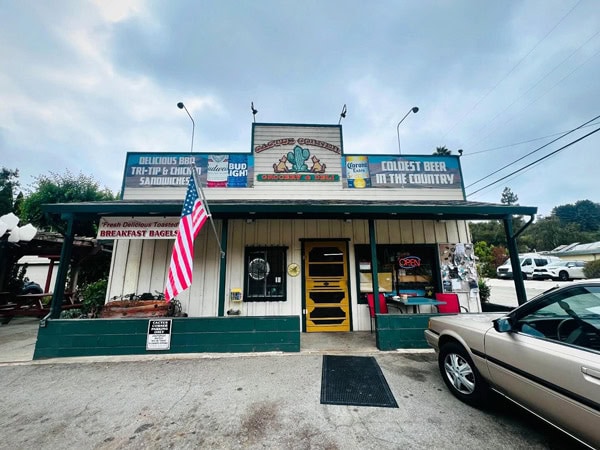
column 293, row 153
column 138, row 228
column 152, row 170
column 438, row 172
column 297, row 153
column 159, row 334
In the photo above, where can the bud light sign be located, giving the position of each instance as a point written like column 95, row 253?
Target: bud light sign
column 409, row 262
column 238, row 171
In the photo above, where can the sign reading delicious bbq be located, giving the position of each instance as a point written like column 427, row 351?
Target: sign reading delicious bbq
column 218, row 170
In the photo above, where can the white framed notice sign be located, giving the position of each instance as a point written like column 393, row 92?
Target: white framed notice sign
column 159, row 334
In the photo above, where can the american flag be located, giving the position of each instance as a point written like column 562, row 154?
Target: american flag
column 193, row 217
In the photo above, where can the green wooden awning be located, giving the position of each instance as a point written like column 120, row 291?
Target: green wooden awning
column 303, row 209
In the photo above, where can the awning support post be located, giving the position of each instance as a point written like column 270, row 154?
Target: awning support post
column 513, row 252
column 63, row 268
column 374, row 269
column 223, row 269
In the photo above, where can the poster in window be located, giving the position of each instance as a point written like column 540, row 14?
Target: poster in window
column 457, row 265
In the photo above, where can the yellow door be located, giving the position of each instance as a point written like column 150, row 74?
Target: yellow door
column 326, row 281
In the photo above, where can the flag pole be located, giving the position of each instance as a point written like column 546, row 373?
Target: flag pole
column 199, row 189
column 208, row 213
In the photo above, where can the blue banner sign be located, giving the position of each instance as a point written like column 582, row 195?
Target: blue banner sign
column 432, row 172
column 153, row 170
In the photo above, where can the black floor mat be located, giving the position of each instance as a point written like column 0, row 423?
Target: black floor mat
column 354, row 380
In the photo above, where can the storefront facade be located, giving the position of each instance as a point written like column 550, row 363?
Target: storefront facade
column 305, row 227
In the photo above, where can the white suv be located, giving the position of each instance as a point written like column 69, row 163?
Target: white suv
column 567, row 270
column 528, row 262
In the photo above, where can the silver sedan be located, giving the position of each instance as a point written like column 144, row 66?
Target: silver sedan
column 543, row 355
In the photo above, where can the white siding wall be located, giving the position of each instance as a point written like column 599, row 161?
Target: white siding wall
column 297, row 190
column 142, row 265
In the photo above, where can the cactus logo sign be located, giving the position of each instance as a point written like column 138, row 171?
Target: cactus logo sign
column 297, row 153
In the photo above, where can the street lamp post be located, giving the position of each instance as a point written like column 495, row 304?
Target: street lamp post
column 180, row 105
column 414, row 110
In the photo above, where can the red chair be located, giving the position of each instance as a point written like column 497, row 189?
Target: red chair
column 383, row 309
column 452, row 304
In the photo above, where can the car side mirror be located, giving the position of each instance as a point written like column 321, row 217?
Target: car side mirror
column 502, row 325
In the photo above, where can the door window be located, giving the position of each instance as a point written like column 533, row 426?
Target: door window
column 571, row 317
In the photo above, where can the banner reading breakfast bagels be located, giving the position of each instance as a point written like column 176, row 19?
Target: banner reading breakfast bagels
column 138, row 228
column 430, row 172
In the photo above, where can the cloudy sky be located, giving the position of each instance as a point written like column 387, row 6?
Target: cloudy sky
column 84, row 82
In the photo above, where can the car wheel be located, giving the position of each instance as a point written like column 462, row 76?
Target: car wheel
column 461, row 376
column 563, row 275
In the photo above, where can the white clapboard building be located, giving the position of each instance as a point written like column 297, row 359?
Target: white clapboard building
column 305, row 224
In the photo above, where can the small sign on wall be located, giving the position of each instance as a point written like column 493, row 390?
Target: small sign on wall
column 159, row 334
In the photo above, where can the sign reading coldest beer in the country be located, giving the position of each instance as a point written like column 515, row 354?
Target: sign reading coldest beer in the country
column 433, row 172
column 219, row 170
column 159, row 334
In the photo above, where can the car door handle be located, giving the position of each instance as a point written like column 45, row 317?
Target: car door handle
column 591, row 374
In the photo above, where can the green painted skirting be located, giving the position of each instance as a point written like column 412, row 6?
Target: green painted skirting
column 103, row 337
column 396, row 331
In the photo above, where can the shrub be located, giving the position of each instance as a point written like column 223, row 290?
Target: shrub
column 93, row 297
column 71, row 314
column 592, row 269
column 485, row 290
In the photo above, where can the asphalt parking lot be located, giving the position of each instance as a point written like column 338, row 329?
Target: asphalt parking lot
column 254, row 401
column 503, row 291
column 250, row 402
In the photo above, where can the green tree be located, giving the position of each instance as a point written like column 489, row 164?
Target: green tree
column 491, row 231
column 483, row 251
column 585, row 213
column 9, row 181
column 442, row 151
column 66, row 188
column 18, row 203
column 549, row 233
column 509, row 197
column 489, row 258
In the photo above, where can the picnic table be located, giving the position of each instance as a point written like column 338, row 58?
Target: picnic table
column 30, row 305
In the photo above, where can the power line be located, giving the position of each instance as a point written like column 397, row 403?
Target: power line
column 535, row 162
column 532, row 152
column 510, row 71
column 536, row 84
column 513, row 176
column 520, row 143
column 543, row 93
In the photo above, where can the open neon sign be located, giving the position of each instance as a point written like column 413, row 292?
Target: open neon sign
column 409, row 262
